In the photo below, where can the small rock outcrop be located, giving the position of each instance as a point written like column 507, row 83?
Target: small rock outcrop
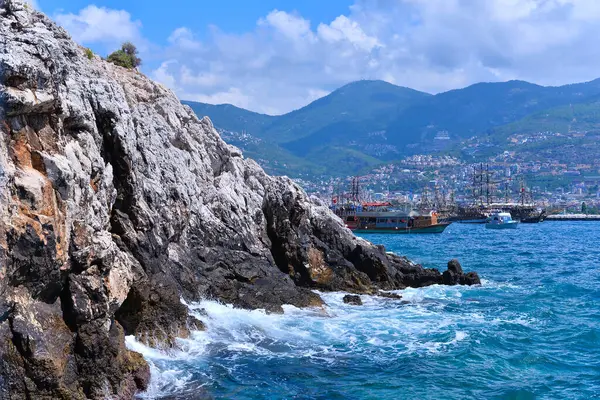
column 353, row 299
column 388, row 295
column 116, row 201
column 454, row 275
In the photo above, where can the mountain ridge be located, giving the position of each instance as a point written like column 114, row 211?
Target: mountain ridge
column 384, row 122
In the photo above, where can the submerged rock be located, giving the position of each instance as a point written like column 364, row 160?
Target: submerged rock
column 352, row 299
column 389, row 295
column 116, row 201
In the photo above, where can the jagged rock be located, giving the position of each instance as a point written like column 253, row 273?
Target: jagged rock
column 470, row 278
column 352, row 299
column 454, row 275
column 194, row 324
column 389, row 295
column 154, row 312
column 455, row 267
column 116, row 201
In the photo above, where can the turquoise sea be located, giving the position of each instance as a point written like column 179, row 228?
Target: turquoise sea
column 530, row 331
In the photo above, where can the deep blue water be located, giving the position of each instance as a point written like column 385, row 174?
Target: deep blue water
column 530, row 331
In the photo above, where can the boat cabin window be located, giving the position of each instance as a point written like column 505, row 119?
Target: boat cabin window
column 381, row 220
column 372, row 220
column 349, row 218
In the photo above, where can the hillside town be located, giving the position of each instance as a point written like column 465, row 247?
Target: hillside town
column 559, row 175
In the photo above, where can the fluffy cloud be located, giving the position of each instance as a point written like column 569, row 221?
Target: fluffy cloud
column 290, row 26
column 344, row 29
column 286, row 61
column 282, row 65
column 101, row 25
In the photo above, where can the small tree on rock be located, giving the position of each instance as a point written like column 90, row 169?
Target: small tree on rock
column 126, row 56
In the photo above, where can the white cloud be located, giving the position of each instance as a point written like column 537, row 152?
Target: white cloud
column 343, row 28
column 230, row 96
column 101, row 25
column 183, row 38
column 162, row 75
column 291, row 26
column 200, row 79
column 286, row 61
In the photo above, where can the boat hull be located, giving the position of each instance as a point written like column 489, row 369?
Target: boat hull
column 437, row 228
column 509, row 225
column 533, row 220
column 473, row 221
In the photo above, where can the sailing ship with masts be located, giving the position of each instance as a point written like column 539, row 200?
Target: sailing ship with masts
column 486, row 200
column 382, row 217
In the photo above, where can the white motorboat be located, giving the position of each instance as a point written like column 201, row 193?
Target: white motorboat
column 501, row 220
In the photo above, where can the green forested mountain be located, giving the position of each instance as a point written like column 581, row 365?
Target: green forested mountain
column 367, row 122
column 582, row 117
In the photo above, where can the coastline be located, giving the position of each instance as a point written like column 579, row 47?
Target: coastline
column 573, row 217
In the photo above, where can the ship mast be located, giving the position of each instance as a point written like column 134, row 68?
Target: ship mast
column 481, row 183
column 355, row 195
column 487, row 183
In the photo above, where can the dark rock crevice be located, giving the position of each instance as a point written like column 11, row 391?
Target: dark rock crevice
column 113, row 153
column 32, row 262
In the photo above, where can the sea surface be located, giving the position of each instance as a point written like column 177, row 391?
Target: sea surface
column 530, row 331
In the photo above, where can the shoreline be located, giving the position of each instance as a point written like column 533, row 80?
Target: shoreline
column 573, row 217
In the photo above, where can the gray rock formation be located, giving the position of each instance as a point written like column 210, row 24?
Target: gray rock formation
column 116, row 201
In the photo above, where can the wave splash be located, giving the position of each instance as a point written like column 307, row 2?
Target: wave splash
column 381, row 331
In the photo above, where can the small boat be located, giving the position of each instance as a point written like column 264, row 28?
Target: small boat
column 501, row 220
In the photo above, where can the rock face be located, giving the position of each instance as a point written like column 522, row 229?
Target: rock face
column 353, row 299
column 116, row 202
column 454, row 275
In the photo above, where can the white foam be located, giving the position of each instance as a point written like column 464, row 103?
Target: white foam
column 165, row 381
column 381, row 328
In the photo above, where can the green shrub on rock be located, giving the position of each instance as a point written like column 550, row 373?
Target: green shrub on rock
column 126, row 56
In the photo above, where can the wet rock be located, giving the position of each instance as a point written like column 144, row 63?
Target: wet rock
column 352, row 299
column 154, row 313
column 454, row 275
column 194, row 324
column 389, row 295
column 470, row 278
column 455, row 267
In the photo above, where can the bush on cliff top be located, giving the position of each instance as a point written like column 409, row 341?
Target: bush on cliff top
column 126, row 56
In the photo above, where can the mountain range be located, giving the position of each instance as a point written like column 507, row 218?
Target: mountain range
column 367, row 122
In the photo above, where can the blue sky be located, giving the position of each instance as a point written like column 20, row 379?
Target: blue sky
column 274, row 56
column 236, row 16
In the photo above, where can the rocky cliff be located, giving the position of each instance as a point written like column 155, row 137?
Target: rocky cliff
column 116, row 201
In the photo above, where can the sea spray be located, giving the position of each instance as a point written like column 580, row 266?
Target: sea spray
column 378, row 332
